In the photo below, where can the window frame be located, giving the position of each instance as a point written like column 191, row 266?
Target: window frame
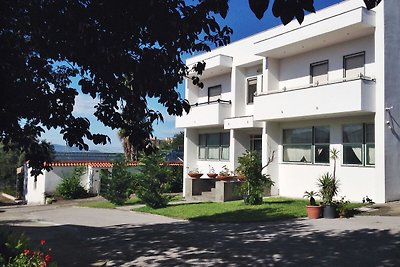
column 312, row 65
column 211, row 88
column 362, row 53
column 253, row 138
column 221, row 146
column 313, row 145
column 364, row 145
column 249, row 97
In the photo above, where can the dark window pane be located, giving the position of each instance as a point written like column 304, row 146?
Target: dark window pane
column 322, row 134
column 354, row 65
column 353, row 134
column 251, row 90
column 370, row 133
column 321, row 154
column 202, row 139
column 297, row 136
column 352, row 154
column 319, row 72
column 225, row 137
column 214, row 93
column 213, row 139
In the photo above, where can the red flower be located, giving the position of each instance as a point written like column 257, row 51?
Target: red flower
column 44, row 264
column 42, row 242
column 47, row 258
column 26, row 251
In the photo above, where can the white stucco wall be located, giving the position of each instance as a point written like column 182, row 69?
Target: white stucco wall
column 372, row 32
column 294, row 71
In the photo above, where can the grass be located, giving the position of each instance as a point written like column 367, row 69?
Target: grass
column 235, row 211
column 105, row 204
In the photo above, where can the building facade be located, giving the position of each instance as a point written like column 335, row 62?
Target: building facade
column 298, row 91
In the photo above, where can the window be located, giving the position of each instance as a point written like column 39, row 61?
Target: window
column 359, row 144
column 214, row 146
column 251, row 90
column 214, row 93
column 256, row 143
column 319, row 72
column 353, row 65
column 309, row 145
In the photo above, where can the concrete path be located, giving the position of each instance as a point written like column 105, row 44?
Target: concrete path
column 90, row 237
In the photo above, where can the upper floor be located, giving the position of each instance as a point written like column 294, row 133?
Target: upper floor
column 328, row 59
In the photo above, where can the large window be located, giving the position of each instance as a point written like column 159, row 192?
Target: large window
column 308, row 145
column 214, row 93
column 359, row 144
column 319, row 72
column 353, row 65
column 251, row 90
column 214, row 146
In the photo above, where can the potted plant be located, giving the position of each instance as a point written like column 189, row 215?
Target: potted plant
column 195, row 173
column 225, row 174
column 211, row 173
column 328, row 188
column 313, row 210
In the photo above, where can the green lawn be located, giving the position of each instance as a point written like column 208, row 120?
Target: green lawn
column 105, row 204
column 235, row 211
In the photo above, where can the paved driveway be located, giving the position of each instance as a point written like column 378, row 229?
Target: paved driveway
column 88, row 237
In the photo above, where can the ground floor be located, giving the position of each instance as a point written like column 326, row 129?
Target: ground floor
column 301, row 153
column 126, row 238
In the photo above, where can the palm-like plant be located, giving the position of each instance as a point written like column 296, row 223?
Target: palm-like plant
column 129, row 150
column 311, row 196
column 329, row 187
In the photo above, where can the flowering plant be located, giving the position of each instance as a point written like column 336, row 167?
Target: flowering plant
column 19, row 255
column 194, row 171
column 225, row 171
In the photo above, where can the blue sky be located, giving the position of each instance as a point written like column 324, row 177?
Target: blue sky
column 239, row 18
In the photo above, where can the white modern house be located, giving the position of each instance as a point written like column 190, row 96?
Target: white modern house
column 36, row 189
column 301, row 90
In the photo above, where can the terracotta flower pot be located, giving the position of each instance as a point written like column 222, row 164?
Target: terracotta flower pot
column 225, row 177
column 195, row 175
column 313, row 212
column 212, row 175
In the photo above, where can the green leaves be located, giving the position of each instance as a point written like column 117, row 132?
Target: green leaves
column 370, row 4
column 287, row 10
column 259, row 7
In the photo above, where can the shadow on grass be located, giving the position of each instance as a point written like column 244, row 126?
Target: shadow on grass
column 247, row 215
column 290, row 242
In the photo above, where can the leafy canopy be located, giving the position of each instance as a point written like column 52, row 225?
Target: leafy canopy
column 120, row 52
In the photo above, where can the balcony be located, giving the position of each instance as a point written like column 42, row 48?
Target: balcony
column 340, row 98
column 215, row 65
column 205, row 114
column 323, row 30
column 241, row 123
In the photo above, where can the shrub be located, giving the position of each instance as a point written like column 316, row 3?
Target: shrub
column 152, row 182
column 116, row 186
column 70, row 187
column 252, row 188
column 175, row 184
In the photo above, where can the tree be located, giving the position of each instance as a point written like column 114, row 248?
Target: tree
column 250, row 166
column 153, row 181
column 116, row 185
column 121, row 52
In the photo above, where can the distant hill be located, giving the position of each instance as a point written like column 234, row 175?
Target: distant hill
column 61, row 148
